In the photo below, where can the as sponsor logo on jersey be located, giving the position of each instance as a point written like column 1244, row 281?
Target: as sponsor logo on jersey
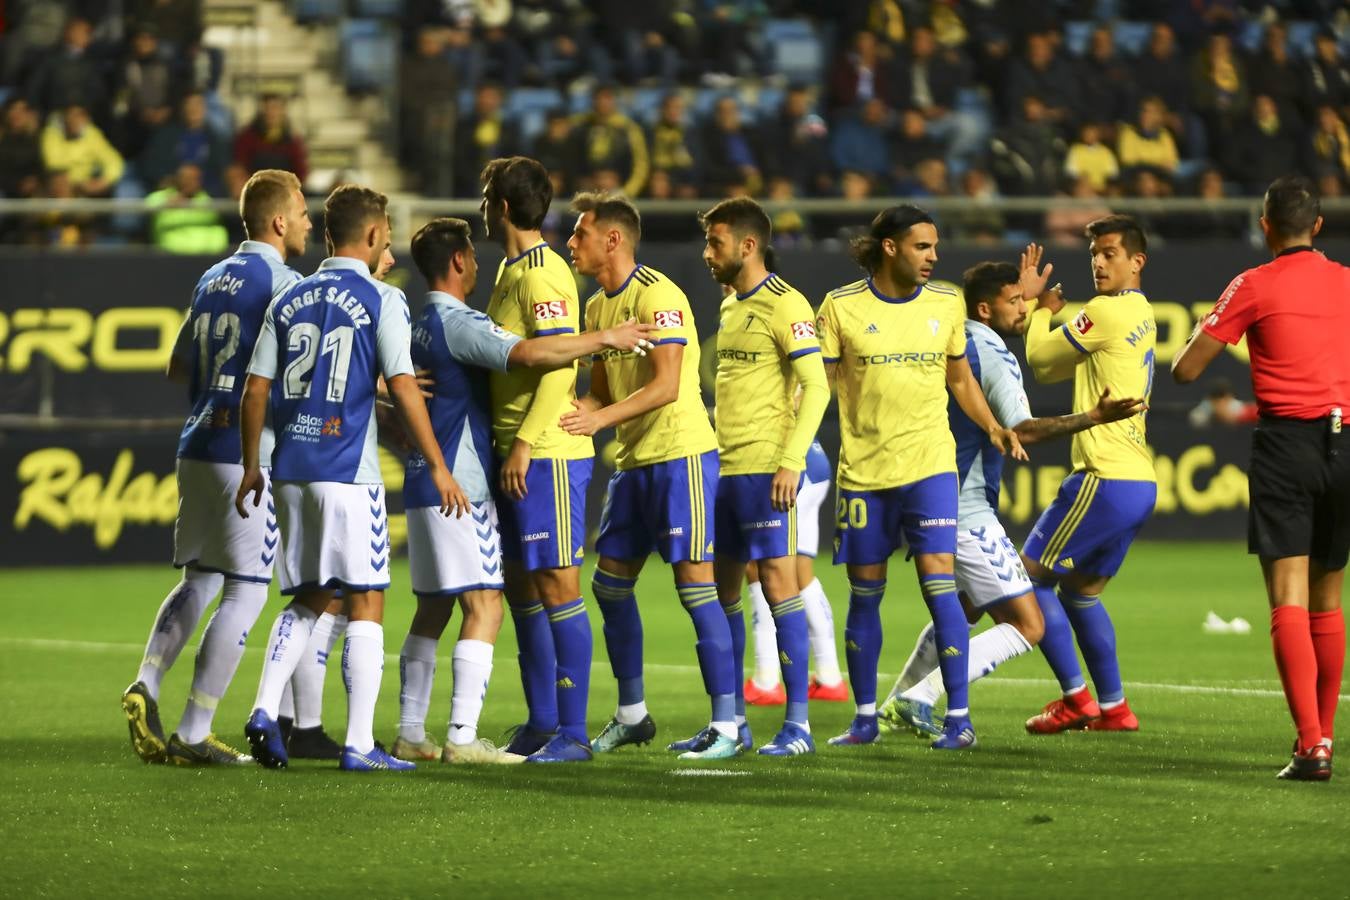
column 1083, row 323
column 900, row 359
column 553, row 309
column 669, row 318
column 941, row 522
column 803, row 330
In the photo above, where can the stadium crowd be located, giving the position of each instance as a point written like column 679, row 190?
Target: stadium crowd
column 685, row 98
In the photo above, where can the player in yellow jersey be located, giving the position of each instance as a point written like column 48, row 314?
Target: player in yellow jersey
column 661, row 496
column 1080, row 541
column 544, row 470
column 893, row 346
column 766, row 348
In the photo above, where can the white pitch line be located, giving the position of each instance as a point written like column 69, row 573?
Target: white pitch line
column 1226, row 690
column 710, row 773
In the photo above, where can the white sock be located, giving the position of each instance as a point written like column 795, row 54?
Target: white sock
column 174, row 623
column 307, row 683
column 218, row 656
column 472, row 666
column 867, row 709
column 632, row 713
column 766, row 639
column 820, row 627
column 988, row 650
column 416, row 673
column 922, row 662
column 286, row 710
column 285, row 648
column 362, row 666
column 726, row 729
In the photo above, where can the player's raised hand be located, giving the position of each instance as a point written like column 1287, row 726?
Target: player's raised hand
column 253, row 483
column 513, row 471
column 452, row 496
column 1109, row 410
column 583, row 420
column 425, row 383
column 1034, row 278
column 1008, row 443
column 783, row 489
column 630, row 336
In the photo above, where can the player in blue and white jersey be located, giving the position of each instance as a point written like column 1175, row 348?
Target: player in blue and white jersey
column 212, row 545
column 990, row 577
column 462, row 558
column 325, row 344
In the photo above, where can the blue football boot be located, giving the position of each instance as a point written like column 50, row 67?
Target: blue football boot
column 615, row 734
column 743, row 732
column 525, row 740
column 377, row 760
column 561, row 749
column 721, row 747
column 957, row 734
column 793, row 740
column 701, row 741
column 264, row 739
column 862, row 730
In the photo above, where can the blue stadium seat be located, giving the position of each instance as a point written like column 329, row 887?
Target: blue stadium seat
column 796, row 48
column 769, row 101
column 530, row 108
column 1132, row 37
column 369, row 53
column 378, row 9
column 1077, row 36
column 645, row 104
column 704, row 100
column 317, row 10
column 1250, row 33
column 1301, row 36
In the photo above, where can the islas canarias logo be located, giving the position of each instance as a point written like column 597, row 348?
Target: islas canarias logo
column 332, row 426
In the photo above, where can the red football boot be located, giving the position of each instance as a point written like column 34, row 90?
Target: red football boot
column 1070, row 713
column 1117, row 718
column 834, row 693
column 758, row 696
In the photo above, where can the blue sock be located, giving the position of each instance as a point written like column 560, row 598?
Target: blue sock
column 1057, row 642
column 862, row 637
column 572, row 637
column 713, row 645
column 1097, row 638
column 952, row 634
column 736, row 622
column 794, row 645
column 623, row 632
column 538, row 665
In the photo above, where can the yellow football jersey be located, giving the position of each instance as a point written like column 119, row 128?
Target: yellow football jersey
column 680, row 428
column 535, row 295
column 1109, row 344
column 891, row 376
column 761, row 333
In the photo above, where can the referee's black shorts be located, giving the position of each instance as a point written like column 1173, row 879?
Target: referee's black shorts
column 1299, row 481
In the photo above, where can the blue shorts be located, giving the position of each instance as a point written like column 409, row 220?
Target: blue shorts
column 1089, row 526
column 870, row 525
column 547, row 529
column 663, row 507
column 748, row 525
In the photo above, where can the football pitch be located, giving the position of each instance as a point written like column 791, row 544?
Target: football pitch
column 1189, row 805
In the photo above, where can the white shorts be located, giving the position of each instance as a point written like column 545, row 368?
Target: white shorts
column 449, row 555
column 809, row 498
column 209, row 533
column 332, row 536
column 988, row 569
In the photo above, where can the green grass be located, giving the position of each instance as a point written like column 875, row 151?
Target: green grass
column 1188, row 806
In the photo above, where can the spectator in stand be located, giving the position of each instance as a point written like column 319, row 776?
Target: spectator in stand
column 930, row 180
column 184, row 221
column 795, row 142
column 635, row 38
column 983, row 224
column 1219, row 89
column 188, row 140
column 731, row 37
column 928, row 79
column 1105, row 81
column 1161, row 72
column 1147, row 144
column 145, row 92
column 483, row 135
column 29, row 29
column 863, row 72
column 731, row 155
column 198, row 67
column 861, row 141
column 61, row 229
column 553, row 33
column 1089, row 157
column 1211, row 222
column 1329, row 148
column 269, row 142
column 556, row 149
column 1262, row 149
column 69, row 75
column 236, row 176
column 429, row 91
column 177, row 22
column 1272, row 72
column 503, row 59
column 1065, row 221
column 609, row 141
column 914, row 145
column 74, row 145
column 789, row 225
column 1028, row 153
column 672, row 150
column 1223, row 406
column 20, row 151
column 1042, row 72
column 1326, row 75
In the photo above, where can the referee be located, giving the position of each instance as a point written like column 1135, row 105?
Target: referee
column 1295, row 312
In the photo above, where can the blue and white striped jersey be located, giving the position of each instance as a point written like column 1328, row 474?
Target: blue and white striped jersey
column 217, row 342
column 324, row 344
column 460, row 346
column 979, row 465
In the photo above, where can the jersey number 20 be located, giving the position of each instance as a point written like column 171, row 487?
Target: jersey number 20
column 306, row 339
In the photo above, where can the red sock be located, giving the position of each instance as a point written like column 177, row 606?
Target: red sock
column 1328, row 637
column 1297, row 662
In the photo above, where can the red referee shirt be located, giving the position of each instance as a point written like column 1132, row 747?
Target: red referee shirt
column 1295, row 311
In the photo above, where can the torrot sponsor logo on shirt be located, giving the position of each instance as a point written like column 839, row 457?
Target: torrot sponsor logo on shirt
column 553, row 309
column 669, row 318
column 803, row 330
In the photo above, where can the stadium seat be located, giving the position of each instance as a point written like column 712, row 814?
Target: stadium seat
column 1249, row 35
column 645, row 103
column 317, row 10
column 530, row 108
column 797, row 51
column 369, row 53
column 1132, row 37
column 378, row 9
column 1301, row 36
column 1077, row 36
column 768, row 102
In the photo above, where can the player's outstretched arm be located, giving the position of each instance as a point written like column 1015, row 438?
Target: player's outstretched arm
column 661, row 389
column 407, row 397
column 556, row 350
column 961, row 382
column 252, row 413
column 1201, row 350
column 1108, row 409
column 1051, row 357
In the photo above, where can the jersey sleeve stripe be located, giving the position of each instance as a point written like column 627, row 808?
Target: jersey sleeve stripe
column 830, row 359
column 670, row 340
column 548, row 331
column 803, row 352
column 1069, row 337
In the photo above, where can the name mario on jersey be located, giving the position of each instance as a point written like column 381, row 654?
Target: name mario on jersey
column 352, row 306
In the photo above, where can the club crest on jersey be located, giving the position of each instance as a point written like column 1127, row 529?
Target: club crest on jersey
column 1082, row 324
column 803, row 330
column 553, row 309
column 669, row 318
